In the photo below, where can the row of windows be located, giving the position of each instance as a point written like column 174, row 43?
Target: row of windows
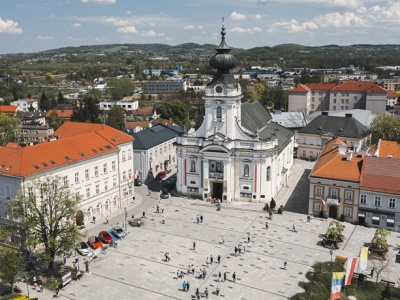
column 96, row 172
column 312, row 141
column 377, row 201
column 341, row 107
column 97, row 191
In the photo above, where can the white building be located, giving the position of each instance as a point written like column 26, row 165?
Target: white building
column 25, row 104
column 95, row 160
column 237, row 154
column 125, row 105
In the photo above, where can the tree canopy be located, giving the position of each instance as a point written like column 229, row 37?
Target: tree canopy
column 9, row 129
column 45, row 209
column 385, row 127
column 116, row 117
column 55, row 121
column 121, row 87
column 176, row 110
column 44, row 103
column 10, row 259
column 88, row 111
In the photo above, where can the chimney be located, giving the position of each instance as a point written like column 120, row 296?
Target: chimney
column 342, row 149
column 325, row 113
column 390, row 156
column 349, row 115
column 349, row 155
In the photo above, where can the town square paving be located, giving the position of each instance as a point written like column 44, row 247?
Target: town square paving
column 137, row 268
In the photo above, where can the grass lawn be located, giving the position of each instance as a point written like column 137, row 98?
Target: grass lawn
column 369, row 291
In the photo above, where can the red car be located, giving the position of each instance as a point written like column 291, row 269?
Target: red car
column 94, row 242
column 105, row 237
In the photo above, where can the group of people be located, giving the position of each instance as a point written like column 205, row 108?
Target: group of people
column 199, row 218
column 239, row 249
column 167, row 256
column 37, row 285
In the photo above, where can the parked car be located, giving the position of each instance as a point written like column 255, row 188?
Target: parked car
column 84, row 249
column 94, row 242
column 161, row 175
column 137, row 222
column 138, row 182
column 113, row 235
column 105, row 237
column 119, row 231
column 164, row 194
column 170, row 185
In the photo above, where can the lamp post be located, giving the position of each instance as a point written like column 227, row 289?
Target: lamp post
column 126, row 214
column 331, row 253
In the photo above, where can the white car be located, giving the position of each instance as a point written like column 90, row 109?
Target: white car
column 119, row 231
column 84, row 249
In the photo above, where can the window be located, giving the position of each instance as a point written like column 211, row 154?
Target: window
column 106, row 186
column 392, row 203
column 312, row 106
column 311, row 141
column 334, row 107
column 155, row 153
column 114, row 182
column 319, row 141
column 389, row 222
column 107, row 205
column 219, row 112
column 192, row 165
column 304, row 140
column 375, row 219
column 318, row 191
column 125, row 192
column 268, row 173
column 342, row 101
column 304, row 153
column 129, row 153
column 97, row 189
column 347, row 212
column 123, row 155
column 311, row 154
column 377, row 201
column 88, row 192
column 342, row 107
column 355, row 97
column 317, row 207
column 334, row 100
column 124, row 175
column 363, row 199
column 105, row 168
column 96, row 171
column 76, row 177
column 348, row 195
column 246, row 170
column 113, row 165
column 87, row 177
column 65, row 179
column 334, row 193
column 114, row 203
column 347, row 101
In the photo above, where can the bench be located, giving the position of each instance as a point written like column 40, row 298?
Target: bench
column 387, row 282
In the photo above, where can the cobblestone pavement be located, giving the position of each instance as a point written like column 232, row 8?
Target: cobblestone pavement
column 137, row 268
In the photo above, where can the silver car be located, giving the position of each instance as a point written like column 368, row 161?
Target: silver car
column 84, row 249
column 117, row 230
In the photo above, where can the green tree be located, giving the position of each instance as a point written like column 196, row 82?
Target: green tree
column 9, row 129
column 176, row 110
column 10, row 259
column 116, row 117
column 121, row 87
column 55, row 120
column 385, row 127
column 60, row 98
column 45, row 209
column 50, row 78
column 90, row 111
column 44, row 103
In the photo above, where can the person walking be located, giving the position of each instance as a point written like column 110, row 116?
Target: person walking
column 107, row 220
column 194, row 246
column 240, row 249
column 266, row 225
column 207, row 261
column 144, row 215
column 206, row 293
column 188, row 270
column 219, row 258
column 223, row 240
column 236, row 251
column 198, row 219
column 177, row 275
column 294, row 228
column 234, row 277
column 219, row 277
column 57, row 292
column 201, row 218
column 211, row 259
column 163, row 219
column 34, row 279
column 187, row 286
column 244, row 249
column 184, row 286
column 193, row 269
column 285, row 265
column 248, row 239
column 94, row 220
column 162, row 209
column 197, row 293
column 65, row 259
column 217, row 290
column 204, row 273
column 41, row 287
column 157, row 209
column 224, row 276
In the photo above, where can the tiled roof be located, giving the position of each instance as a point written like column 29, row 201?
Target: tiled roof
column 162, row 121
column 321, row 86
column 387, row 148
column 300, row 88
column 336, row 126
column 332, row 165
column 360, row 86
column 132, row 125
column 31, row 100
column 381, row 175
column 391, row 94
column 153, row 136
column 64, row 113
column 145, row 111
column 8, row 109
column 71, row 129
column 377, row 89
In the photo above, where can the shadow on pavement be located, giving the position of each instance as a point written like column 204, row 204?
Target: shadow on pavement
column 298, row 200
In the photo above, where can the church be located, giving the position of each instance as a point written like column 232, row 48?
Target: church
column 238, row 153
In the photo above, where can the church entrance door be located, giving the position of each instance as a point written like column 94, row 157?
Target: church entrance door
column 216, row 190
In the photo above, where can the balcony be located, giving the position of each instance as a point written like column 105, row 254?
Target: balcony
column 216, row 175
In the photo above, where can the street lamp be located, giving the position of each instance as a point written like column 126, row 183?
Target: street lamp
column 331, row 253
column 126, row 214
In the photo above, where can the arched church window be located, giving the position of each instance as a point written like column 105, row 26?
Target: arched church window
column 268, row 173
column 219, row 112
column 246, row 170
column 192, row 165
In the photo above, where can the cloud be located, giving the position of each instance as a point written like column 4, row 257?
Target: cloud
column 151, row 33
column 76, row 25
column 328, row 3
column 45, row 38
column 245, row 30
column 192, row 27
column 71, row 38
column 9, row 26
column 127, row 29
column 237, row 16
column 99, row 1
column 337, row 20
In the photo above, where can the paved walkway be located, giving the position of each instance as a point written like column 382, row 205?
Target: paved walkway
column 137, row 269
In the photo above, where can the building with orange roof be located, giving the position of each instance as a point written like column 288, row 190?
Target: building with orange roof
column 10, row 109
column 64, row 114
column 380, row 193
column 344, row 96
column 391, row 98
column 335, row 182
column 386, row 149
column 95, row 160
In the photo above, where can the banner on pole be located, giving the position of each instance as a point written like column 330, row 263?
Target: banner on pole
column 337, row 282
column 363, row 261
column 350, row 267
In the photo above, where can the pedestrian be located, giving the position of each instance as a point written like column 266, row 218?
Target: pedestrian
column 184, row 286
column 224, row 276
column 240, row 249
column 223, row 240
column 194, row 246
column 244, row 249
column 34, row 279
column 65, row 258
column 285, row 265
column 211, row 259
column 177, row 275
column 162, row 209
column 207, row 261
column 157, row 209
column 248, row 238
column 219, row 277
column 204, row 273
column 94, row 220
column 57, row 292
column 188, row 270
column 41, row 287
column 266, row 225
column 169, row 256
column 236, row 251
column 219, row 258
column 187, row 286
column 144, row 215
column 200, row 274
column 163, row 219
column 198, row 219
column 107, row 220
column 217, row 290
column 294, row 228
column 206, row 292
column 201, row 218
column 234, row 277
column 197, row 293
column 193, row 269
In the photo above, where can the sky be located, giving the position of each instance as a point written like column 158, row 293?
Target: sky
column 31, row 26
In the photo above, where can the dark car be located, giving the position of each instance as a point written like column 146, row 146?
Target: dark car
column 105, row 237
column 164, row 194
column 170, row 185
column 138, row 182
column 161, row 175
column 136, row 222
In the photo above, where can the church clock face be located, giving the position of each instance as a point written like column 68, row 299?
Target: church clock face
column 219, row 89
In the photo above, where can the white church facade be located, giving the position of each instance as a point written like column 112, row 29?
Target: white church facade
column 238, row 153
